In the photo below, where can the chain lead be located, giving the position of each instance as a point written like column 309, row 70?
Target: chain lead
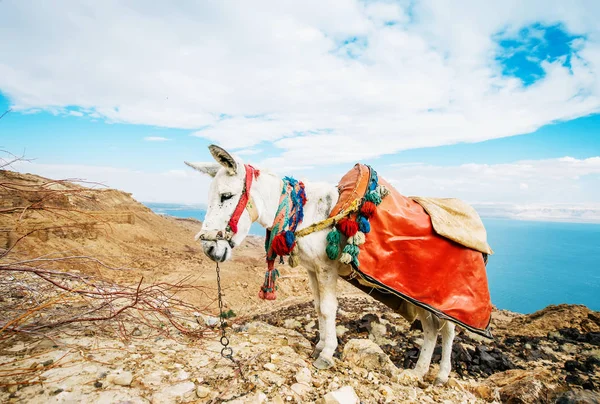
column 226, row 351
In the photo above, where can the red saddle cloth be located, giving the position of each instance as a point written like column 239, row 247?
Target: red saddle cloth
column 403, row 255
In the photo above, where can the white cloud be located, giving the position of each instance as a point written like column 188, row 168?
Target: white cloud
column 280, row 71
column 248, row 152
column 562, row 180
column 156, row 139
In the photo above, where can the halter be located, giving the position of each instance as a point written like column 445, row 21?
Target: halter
column 245, row 203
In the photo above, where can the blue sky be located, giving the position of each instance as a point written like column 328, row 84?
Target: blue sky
column 500, row 108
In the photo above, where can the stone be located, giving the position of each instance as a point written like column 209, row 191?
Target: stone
column 366, row 354
column 340, row 330
column 291, row 324
column 175, row 393
column 270, row 366
column 202, row 391
column 578, row 397
column 344, row 395
column 387, row 392
column 301, row 389
column 569, row 348
column 526, row 387
column 303, row 376
column 123, row 378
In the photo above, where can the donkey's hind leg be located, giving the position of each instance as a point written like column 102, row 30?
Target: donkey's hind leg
column 430, row 325
column 448, row 330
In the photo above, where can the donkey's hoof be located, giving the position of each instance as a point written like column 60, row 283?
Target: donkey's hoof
column 323, row 363
column 440, row 381
column 315, row 354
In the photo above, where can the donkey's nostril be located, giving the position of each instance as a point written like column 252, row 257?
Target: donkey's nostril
column 211, row 249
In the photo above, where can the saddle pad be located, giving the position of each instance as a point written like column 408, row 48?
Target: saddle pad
column 456, row 220
column 403, row 255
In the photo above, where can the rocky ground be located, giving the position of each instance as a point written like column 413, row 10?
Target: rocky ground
column 549, row 356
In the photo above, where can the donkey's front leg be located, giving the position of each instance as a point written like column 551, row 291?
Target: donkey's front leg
column 314, row 286
column 327, row 292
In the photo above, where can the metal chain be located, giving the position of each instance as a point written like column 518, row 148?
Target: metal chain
column 226, row 351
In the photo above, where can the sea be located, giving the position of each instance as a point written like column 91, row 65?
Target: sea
column 535, row 263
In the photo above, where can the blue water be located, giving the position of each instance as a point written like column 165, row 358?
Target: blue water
column 195, row 212
column 534, row 263
column 540, row 263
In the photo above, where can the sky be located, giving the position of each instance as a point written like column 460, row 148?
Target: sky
column 491, row 102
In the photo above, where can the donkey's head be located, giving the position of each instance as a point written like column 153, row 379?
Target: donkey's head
column 230, row 210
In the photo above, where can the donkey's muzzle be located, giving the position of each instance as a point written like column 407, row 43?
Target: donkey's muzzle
column 218, row 251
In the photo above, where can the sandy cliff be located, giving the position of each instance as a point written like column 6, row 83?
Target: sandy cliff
column 548, row 356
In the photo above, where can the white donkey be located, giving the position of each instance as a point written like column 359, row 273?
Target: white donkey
column 219, row 241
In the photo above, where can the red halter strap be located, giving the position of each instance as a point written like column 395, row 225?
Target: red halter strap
column 251, row 173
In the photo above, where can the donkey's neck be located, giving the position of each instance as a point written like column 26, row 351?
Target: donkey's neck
column 266, row 193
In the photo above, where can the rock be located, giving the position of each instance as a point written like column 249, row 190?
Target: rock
column 569, row 348
column 578, row 397
column 310, row 326
column 123, row 378
column 525, row 387
column 202, row 391
column 304, row 376
column 366, row 354
column 291, row 324
column 387, row 392
column 175, row 393
column 136, row 332
column 270, row 366
column 340, row 330
column 301, row 389
column 208, row 320
column 345, row 395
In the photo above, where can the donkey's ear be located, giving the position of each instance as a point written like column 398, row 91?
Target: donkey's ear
column 223, row 158
column 206, row 168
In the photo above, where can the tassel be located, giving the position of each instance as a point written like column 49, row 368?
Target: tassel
column 347, row 227
column 364, row 225
column 268, row 289
column 368, row 209
column 281, row 243
column 345, row 258
column 373, row 196
column 358, row 239
column 382, row 191
column 351, row 249
column 333, row 244
column 294, row 260
column 332, row 250
column 333, row 237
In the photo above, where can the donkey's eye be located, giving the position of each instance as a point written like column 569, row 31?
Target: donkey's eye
column 226, row 196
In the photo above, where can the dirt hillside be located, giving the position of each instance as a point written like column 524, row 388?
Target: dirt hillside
column 549, row 356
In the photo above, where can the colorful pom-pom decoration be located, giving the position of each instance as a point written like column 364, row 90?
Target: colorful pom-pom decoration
column 373, row 196
column 358, row 239
column 332, row 250
column 347, row 227
column 345, row 258
column 351, row 249
column 333, row 237
column 283, row 243
column 364, row 225
column 368, row 209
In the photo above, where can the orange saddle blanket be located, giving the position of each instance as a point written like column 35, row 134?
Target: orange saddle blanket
column 404, row 256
